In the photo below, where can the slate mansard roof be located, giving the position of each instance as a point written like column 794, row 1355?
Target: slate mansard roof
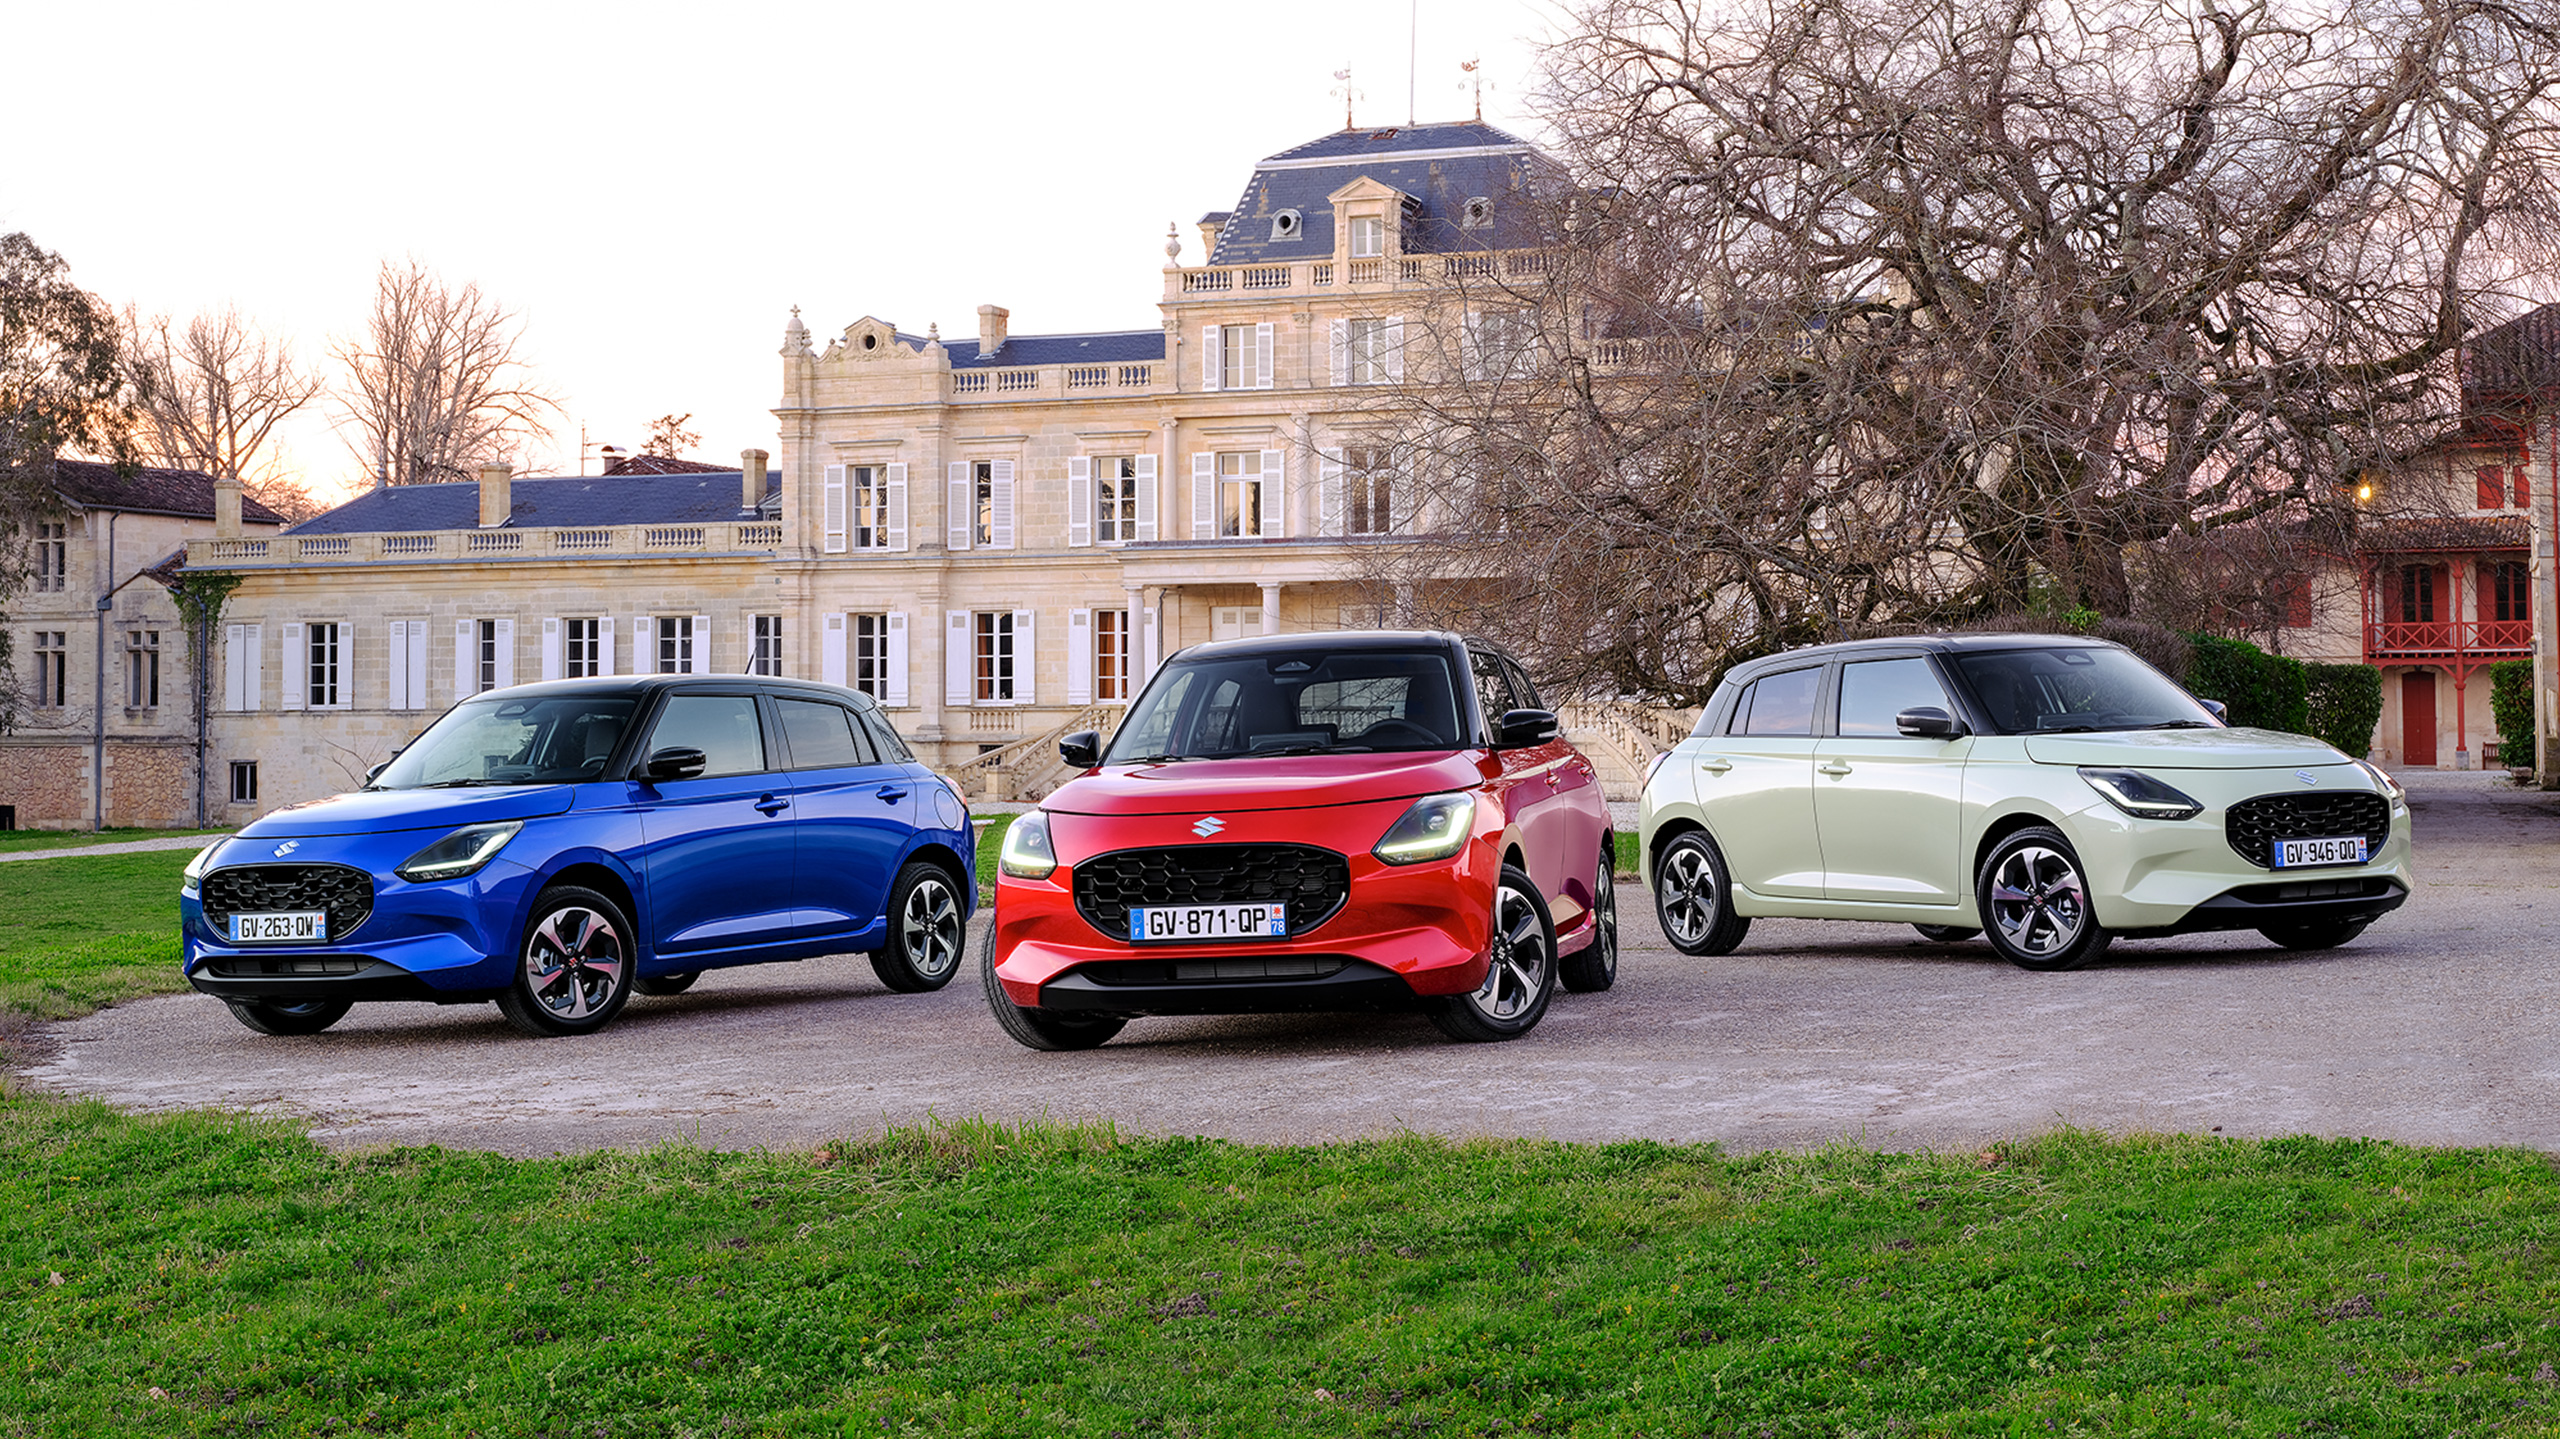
column 1106, row 348
column 577, row 501
column 149, row 490
column 1440, row 166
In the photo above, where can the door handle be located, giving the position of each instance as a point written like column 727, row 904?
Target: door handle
column 891, row 793
column 1835, row 767
column 772, row 804
column 1715, row 764
column 1554, row 779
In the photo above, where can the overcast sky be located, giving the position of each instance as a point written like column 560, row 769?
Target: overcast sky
column 654, row 186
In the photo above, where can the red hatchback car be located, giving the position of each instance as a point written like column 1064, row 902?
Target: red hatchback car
column 1311, row 822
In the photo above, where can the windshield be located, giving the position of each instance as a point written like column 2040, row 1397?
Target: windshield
column 2062, row 691
column 559, row 739
column 1294, row 702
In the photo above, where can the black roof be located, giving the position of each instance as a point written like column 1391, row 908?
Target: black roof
column 1927, row 644
column 1440, row 167
column 1326, row 640
column 148, row 490
column 1104, row 348
column 645, row 684
column 574, row 501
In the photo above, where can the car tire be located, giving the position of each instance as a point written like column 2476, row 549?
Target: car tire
column 2035, row 902
column 309, row 1016
column 1042, row 1029
column 1946, row 933
column 662, row 985
column 1519, row 972
column 1693, row 897
column 927, row 935
column 2314, row 936
column 573, row 971
column 1594, row 967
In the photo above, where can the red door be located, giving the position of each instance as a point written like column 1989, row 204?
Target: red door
column 2418, row 717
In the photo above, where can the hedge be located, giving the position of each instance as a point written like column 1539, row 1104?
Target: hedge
column 2257, row 688
column 2511, row 701
column 2345, row 703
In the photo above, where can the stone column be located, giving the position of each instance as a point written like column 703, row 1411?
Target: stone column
column 1271, row 608
column 1141, row 637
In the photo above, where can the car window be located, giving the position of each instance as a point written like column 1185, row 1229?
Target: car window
column 556, row 740
column 2048, row 691
column 724, row 727
column 1230, row 705
column 1521, row 689
column 886, row 739
column 822, row 735
column 1493, row 689
column 1872, row 692
column 1782, row 704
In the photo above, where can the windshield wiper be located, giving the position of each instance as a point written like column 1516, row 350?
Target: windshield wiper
column 2068, row 729
column 1313, row 749
column 453, row 784
column 2180, row 724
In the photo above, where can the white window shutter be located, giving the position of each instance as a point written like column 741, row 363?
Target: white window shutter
column 955, row 657
column 1395, row 350
column 1329, row 507
column 1146, row 497
column 506, row 665
column 897, row 507
column 398, row 689
column 296, row 680
column 604, row 645
column 644, row 646
column 1079, row 501
column 417, row 664
column 1342, row 352
column 254, row 668
column 1026, row 657
column 1212, row 358
column 1000, row 505
column 466, row 674
column 894, row 659
column 236, row 687
column 960, row 515
column 835, row 517
column 1275, row 494
column 831, row 651
column 550, row 649
column 1079, row 657
column 702, row 647
column 1204, row 496
column 1262, row 356
column 1149, row 646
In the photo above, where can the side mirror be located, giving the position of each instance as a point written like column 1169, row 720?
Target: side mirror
column 1525, row 729
column 2220, row 710
column 676, row 762
column 1928, row 722
column 1081, row 750
column 375, row 773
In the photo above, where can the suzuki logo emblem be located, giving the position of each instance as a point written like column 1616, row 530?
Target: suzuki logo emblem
column 1208, row 826
column 2306, row 776
column 288, row 847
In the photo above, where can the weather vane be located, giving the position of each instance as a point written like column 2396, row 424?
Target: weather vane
column 1346, row 92
column 1475, row 80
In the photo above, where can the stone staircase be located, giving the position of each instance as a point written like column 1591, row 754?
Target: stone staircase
column 1622, row 739
column 1027, row 769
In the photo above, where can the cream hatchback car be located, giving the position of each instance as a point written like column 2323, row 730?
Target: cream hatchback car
column 2050, row 794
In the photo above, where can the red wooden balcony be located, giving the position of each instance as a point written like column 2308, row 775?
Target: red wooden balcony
column 2434, row 640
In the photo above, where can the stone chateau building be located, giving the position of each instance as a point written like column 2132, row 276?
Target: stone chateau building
column 997, row 536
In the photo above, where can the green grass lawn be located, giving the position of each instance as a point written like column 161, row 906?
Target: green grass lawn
column 19, row 841
column 990, row 840
column 79, row 933
column 209, row 1275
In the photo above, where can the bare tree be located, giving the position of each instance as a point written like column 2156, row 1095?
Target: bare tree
column 217, row 390
column 435, row 386
column 669, row 438
column 1865, row 315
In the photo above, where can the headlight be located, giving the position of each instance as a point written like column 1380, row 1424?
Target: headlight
column 2140, row 795
column 1026, row 853
column 459, row 853
column 2389, row 786
column 1435, row 828
column 197, row 866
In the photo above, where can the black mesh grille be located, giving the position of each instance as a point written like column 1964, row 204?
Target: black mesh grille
column 342, row 892
column 2254, row 825
column 1312, row 882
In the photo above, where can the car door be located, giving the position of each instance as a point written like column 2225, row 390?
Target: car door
column 1755, row 783
column 719, row 847
column 1523, row 785
column 1890, row 809
column 1582, row 811
column 855, row 814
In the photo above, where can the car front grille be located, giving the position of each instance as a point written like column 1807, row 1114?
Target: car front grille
column 2254, row 825
column 343, row 892
column 1312, row 882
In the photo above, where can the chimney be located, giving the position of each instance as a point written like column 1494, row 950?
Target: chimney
column 226, row 507
column 751, row 478
column 611, row 455
column 991, row 320
column 496, row 503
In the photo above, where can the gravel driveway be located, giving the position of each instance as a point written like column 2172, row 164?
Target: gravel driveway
column 2437, row 1027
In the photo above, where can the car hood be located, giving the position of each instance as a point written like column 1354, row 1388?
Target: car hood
column 2237, row 748
column 377, row 811
column 1281, row 782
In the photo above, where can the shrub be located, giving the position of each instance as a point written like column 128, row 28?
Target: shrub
column 2345, row 703
column 2260, row 689
column 2511, row 701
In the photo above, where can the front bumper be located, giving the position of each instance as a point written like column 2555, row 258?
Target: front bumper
column 2180, row 876
column 450, row 941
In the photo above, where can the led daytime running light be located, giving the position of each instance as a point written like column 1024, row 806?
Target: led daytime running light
column 1026, row 853
column 1436, row 827
column 2142, row 796
column 460, row 853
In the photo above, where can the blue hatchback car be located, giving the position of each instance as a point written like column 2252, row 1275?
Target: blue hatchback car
column 556, row 846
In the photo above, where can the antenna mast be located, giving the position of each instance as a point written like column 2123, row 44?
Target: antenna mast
column 1412, row 33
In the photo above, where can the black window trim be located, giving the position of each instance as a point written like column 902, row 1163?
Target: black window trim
column 791, row 761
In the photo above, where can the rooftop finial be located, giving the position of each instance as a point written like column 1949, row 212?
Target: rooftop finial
column 1346, row 92
column 1475, row 80
column 1172, row 242
column 933, row 330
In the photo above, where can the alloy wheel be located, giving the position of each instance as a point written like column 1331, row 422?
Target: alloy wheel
column 1515, row 973
column 1688, row 884
column 929, row 926
column 575, row 962
column 2038, row 900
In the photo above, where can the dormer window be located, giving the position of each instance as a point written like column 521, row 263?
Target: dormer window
column 1288, row 225
column 1476, row 214
column 1368, row 237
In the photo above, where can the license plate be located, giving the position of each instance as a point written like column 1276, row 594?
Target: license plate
column 1177, row 924
column 2295, row 853
column 309, row 926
